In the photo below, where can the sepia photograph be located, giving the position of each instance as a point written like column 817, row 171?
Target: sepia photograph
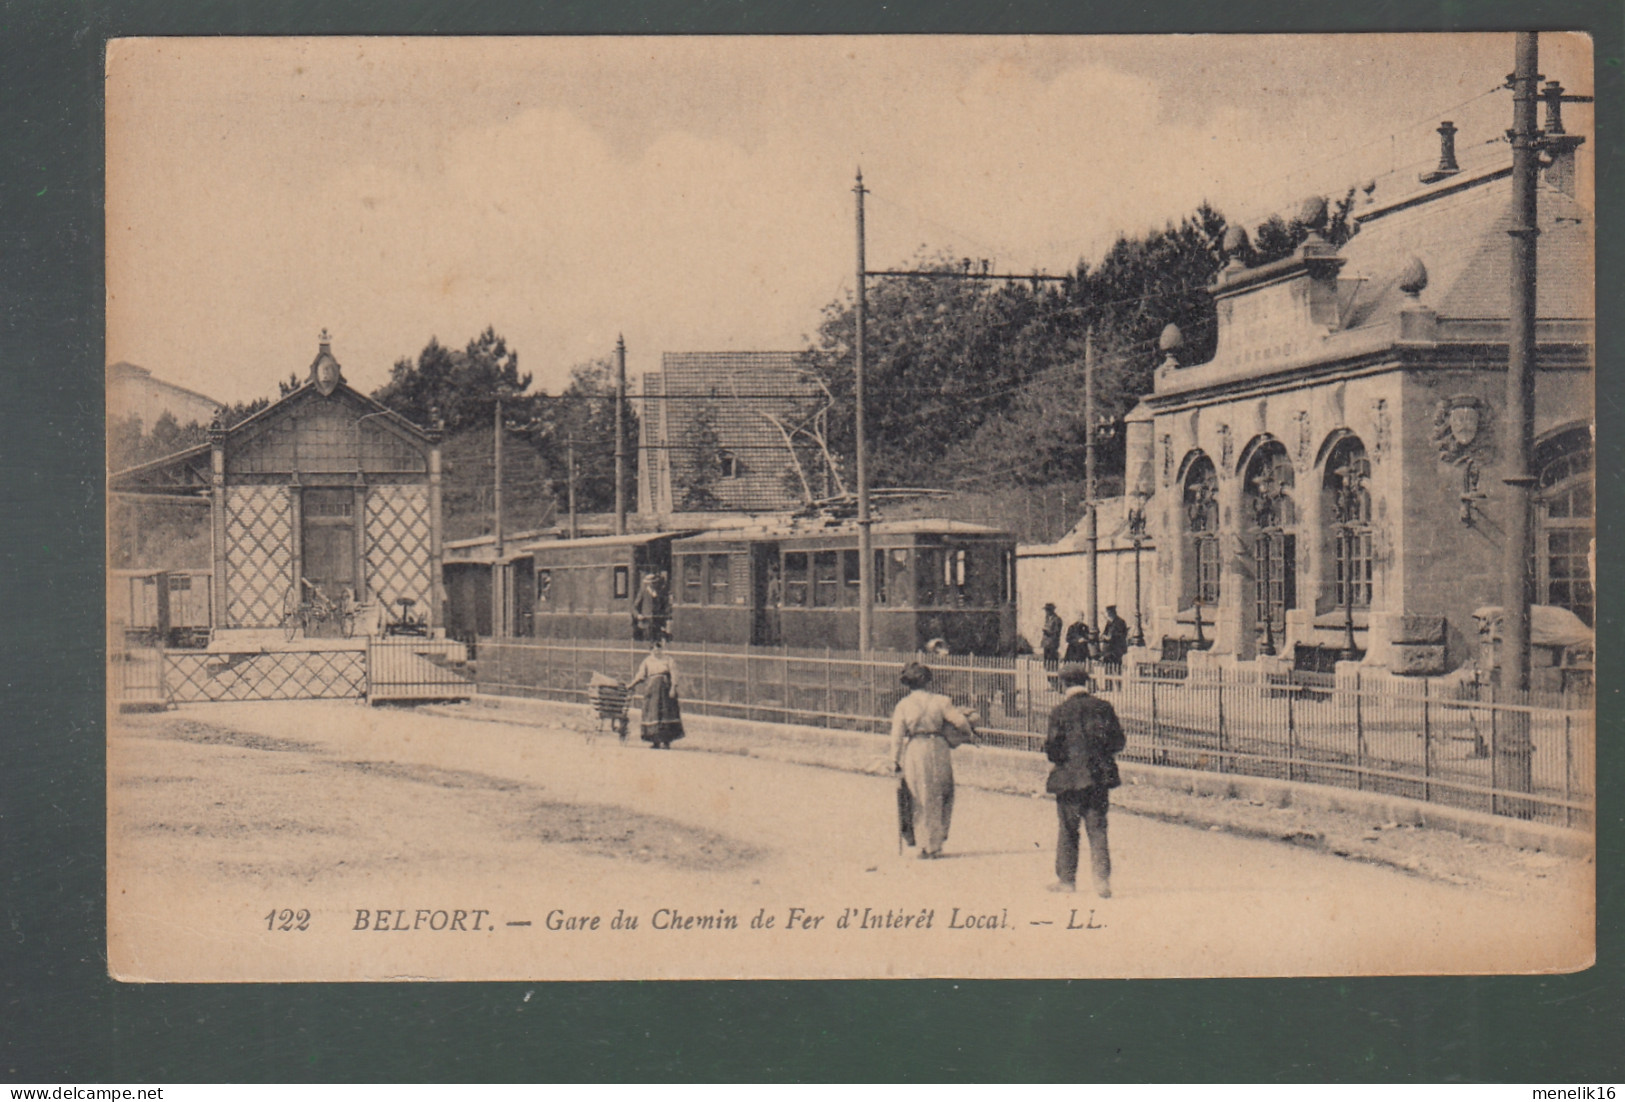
column 850, row 507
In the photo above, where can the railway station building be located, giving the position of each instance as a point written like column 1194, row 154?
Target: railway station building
column 326, row 486
column 1330, row 485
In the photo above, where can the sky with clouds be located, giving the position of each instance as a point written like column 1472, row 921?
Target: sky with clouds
column 695, row 193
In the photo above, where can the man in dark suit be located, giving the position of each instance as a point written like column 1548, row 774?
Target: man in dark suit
column 1084, row 740
column 1050, row 640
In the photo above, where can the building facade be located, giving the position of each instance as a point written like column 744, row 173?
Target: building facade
column 133, row 392
column 325, row 487
column 1330, row 485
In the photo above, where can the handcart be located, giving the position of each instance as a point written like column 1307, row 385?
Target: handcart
column 611, row 700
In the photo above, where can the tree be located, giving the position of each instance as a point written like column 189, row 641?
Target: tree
column 461, row 386
column 697, row 463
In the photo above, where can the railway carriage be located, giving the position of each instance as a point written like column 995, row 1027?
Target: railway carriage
column 933, row 579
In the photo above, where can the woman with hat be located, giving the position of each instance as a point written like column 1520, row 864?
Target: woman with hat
column 925, row 726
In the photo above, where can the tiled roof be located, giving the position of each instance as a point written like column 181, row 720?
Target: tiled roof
column 1462, row 241
column 739, row 391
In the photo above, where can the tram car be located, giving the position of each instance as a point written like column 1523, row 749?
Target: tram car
column 596, row 587
column 933, row 579
column 161, row 608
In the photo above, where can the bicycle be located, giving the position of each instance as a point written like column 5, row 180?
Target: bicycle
column 301, row 612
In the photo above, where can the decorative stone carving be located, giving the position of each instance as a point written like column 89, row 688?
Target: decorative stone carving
column 1461, row 428
column 1305, row 436
column 1227, row 449
column 1380, row 428
column 1167, row 459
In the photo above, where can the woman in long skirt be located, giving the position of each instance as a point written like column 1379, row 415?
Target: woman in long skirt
column 662, row 716
column 921, row 753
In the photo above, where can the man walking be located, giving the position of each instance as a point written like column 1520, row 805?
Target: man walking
column 1084, row 740
column 1050, row 640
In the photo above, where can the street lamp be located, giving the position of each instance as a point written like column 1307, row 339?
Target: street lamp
column 1136, row 533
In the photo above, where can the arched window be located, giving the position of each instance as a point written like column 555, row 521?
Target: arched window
column 1346, row 505
column 1273, row 518
column 1202, row 530
column 1566, row 516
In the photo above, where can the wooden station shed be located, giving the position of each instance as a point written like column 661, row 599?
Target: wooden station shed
column 327, row 486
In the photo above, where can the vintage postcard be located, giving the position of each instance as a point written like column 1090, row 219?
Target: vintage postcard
column 850, row 507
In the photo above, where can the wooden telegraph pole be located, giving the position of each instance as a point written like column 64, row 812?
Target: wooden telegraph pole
column 1091, row 527
column 620, row 442
column 1511, row 767
column 866, row 582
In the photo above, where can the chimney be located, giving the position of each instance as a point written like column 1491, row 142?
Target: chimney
column 1559, row 145
column 1447, row 155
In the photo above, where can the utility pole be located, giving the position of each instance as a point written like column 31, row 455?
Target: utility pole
column 1091, row 528
column 1511, row 767
column 570, row 469
column 620, row 445
column 499, row 579
column 866, row 582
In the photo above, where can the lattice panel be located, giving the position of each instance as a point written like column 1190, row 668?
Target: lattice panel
column 280, row 675
column 259, row 555
column 398, row 543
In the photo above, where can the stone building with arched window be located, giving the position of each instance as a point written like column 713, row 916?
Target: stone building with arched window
column 1330, row 485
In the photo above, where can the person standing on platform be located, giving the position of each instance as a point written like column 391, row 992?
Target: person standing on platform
column 1050, row 640
column 925, row 727
column 1078, row 642
column 1084, row 740
column 662, row 715
column 1114, row 638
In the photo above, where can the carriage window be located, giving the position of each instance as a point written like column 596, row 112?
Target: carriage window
column 878, row 580
column 179, row 582
column 795, row 578
column 544, row 588
column 693, row 579
column 928, row 576
column 623, row 582
column 849, row 575
column 719, row 580
column 826, row 583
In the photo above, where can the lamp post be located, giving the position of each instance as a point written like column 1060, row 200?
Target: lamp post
column 1136, row 534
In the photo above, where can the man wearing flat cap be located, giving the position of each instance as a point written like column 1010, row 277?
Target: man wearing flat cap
column 1084, row 740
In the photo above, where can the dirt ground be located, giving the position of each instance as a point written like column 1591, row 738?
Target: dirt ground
column 278, row 841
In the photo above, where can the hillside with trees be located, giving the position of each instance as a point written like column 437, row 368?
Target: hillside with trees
column 977, row 386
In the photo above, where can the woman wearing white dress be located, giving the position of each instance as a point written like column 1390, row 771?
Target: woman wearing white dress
column 921, row 752
column 662, row 716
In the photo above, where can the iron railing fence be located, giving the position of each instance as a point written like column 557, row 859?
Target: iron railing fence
column 408, row 669
column 372, row 669
column 1445, row 741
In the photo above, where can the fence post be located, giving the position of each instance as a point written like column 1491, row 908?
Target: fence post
column 1568, row 769
column 1157, row 756
column 1291, row 728
column 750, row 662
column 829, row 690
column 1427, row 745
column 1359, row 735
column 705, row 674
column 1218, row 675
column 785, row 651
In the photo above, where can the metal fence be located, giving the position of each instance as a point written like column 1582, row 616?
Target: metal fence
column 371, row 669
column 1444, row 741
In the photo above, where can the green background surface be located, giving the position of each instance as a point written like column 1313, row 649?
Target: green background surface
column 63, row 1021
